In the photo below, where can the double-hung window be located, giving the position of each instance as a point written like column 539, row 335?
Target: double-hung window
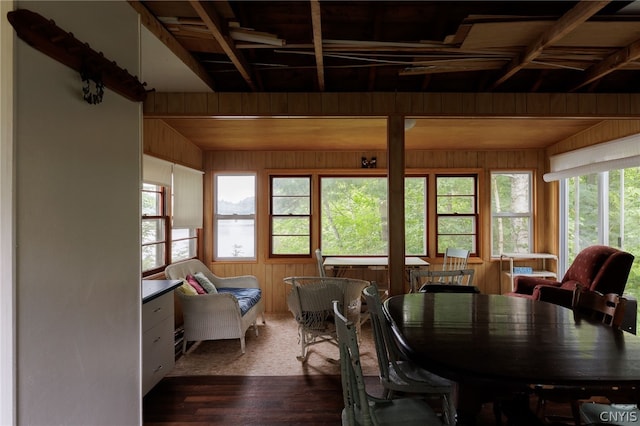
column 235, row 216
column 457, row 212
column 290, row 215
column 511, row 212
column 155, row 228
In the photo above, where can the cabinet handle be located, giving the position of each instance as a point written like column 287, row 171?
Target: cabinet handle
column 157, row 339
column 157, row 309
column 158, row 368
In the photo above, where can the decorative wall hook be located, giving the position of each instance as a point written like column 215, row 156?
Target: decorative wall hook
column 45, row 36
column 92, row 97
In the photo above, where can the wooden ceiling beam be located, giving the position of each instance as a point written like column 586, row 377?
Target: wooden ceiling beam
column 165, row 36
column 316, row 21
column 611, row 63
column 568, row 22
column 210, row 17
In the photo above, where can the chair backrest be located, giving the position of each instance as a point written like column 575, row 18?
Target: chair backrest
column 455, row 258
column 356, row 400
column 378, row 321
column 180, row 270
column 311, row 298
column 608, row 308
column 599, row 268
column 421, row 278
column 320, row 263
column 448, row 288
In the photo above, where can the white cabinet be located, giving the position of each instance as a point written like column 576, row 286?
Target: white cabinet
column 528, row 264
column 158, row 356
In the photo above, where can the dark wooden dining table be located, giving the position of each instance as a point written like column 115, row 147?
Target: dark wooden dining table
column 494, row 346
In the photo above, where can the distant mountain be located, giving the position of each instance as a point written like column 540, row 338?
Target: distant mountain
column 245, row 206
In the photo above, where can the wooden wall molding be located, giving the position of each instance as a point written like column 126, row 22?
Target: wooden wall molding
column 578, row 105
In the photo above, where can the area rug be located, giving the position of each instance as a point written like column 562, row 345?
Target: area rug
column 272, row 353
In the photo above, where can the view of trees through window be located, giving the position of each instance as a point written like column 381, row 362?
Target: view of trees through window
column 354, row 215
column 604, row 208
column 511, row 220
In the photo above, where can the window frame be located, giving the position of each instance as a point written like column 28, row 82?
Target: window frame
column 474, row 250
column 530, row 214
column 166, row 203
column 219, row 217
column 273, row 216
column 165, row 217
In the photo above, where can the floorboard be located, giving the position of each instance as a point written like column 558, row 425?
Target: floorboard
column 257, row 400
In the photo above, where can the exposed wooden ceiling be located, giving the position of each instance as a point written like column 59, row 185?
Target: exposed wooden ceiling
column 399, row 46
column 369, row 134
column 439, row 46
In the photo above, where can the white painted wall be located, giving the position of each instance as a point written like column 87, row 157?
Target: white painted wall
column 78, row 225
column 7, row 284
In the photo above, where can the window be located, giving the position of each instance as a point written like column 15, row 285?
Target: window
column 511, row 212
column 171, row 213
column 601, row 208
column 235, row 216
column 155, row 223
column 290, row 215
column 354, row 216
column 157, row 252
column 184, row 244
column 456, row 212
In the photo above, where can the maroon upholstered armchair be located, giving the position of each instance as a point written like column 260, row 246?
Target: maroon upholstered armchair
column 597, row 268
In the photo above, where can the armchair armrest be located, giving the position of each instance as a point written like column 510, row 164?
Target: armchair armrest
column 526, row 285
column 556, row 295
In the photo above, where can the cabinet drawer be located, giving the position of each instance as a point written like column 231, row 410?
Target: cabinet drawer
column 158, row 353
column 157, row 310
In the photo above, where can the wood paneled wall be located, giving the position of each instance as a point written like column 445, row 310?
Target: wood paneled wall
column 603, row 132
column 271, row 271
column 382, row 104
column 164, row 143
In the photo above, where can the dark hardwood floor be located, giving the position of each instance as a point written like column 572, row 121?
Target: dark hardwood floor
column 254, row 400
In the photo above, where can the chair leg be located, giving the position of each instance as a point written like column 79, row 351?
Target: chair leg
column 184, row 346
column 255, row 328
column 242, row 345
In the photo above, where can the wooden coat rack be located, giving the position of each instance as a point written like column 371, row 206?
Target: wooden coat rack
column 45, row 36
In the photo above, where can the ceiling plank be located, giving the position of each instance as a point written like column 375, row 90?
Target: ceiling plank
column 613, row 62
column 316, row 20
column 165, row 36
column 213, row 22
column 563, row 26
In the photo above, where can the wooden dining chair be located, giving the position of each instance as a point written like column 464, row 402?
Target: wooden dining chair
column 397, row 373
column 462, row 278
column 455, row 258
column 361, row 408
column 320, row 263
column 607, row 308
column 595, row 306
